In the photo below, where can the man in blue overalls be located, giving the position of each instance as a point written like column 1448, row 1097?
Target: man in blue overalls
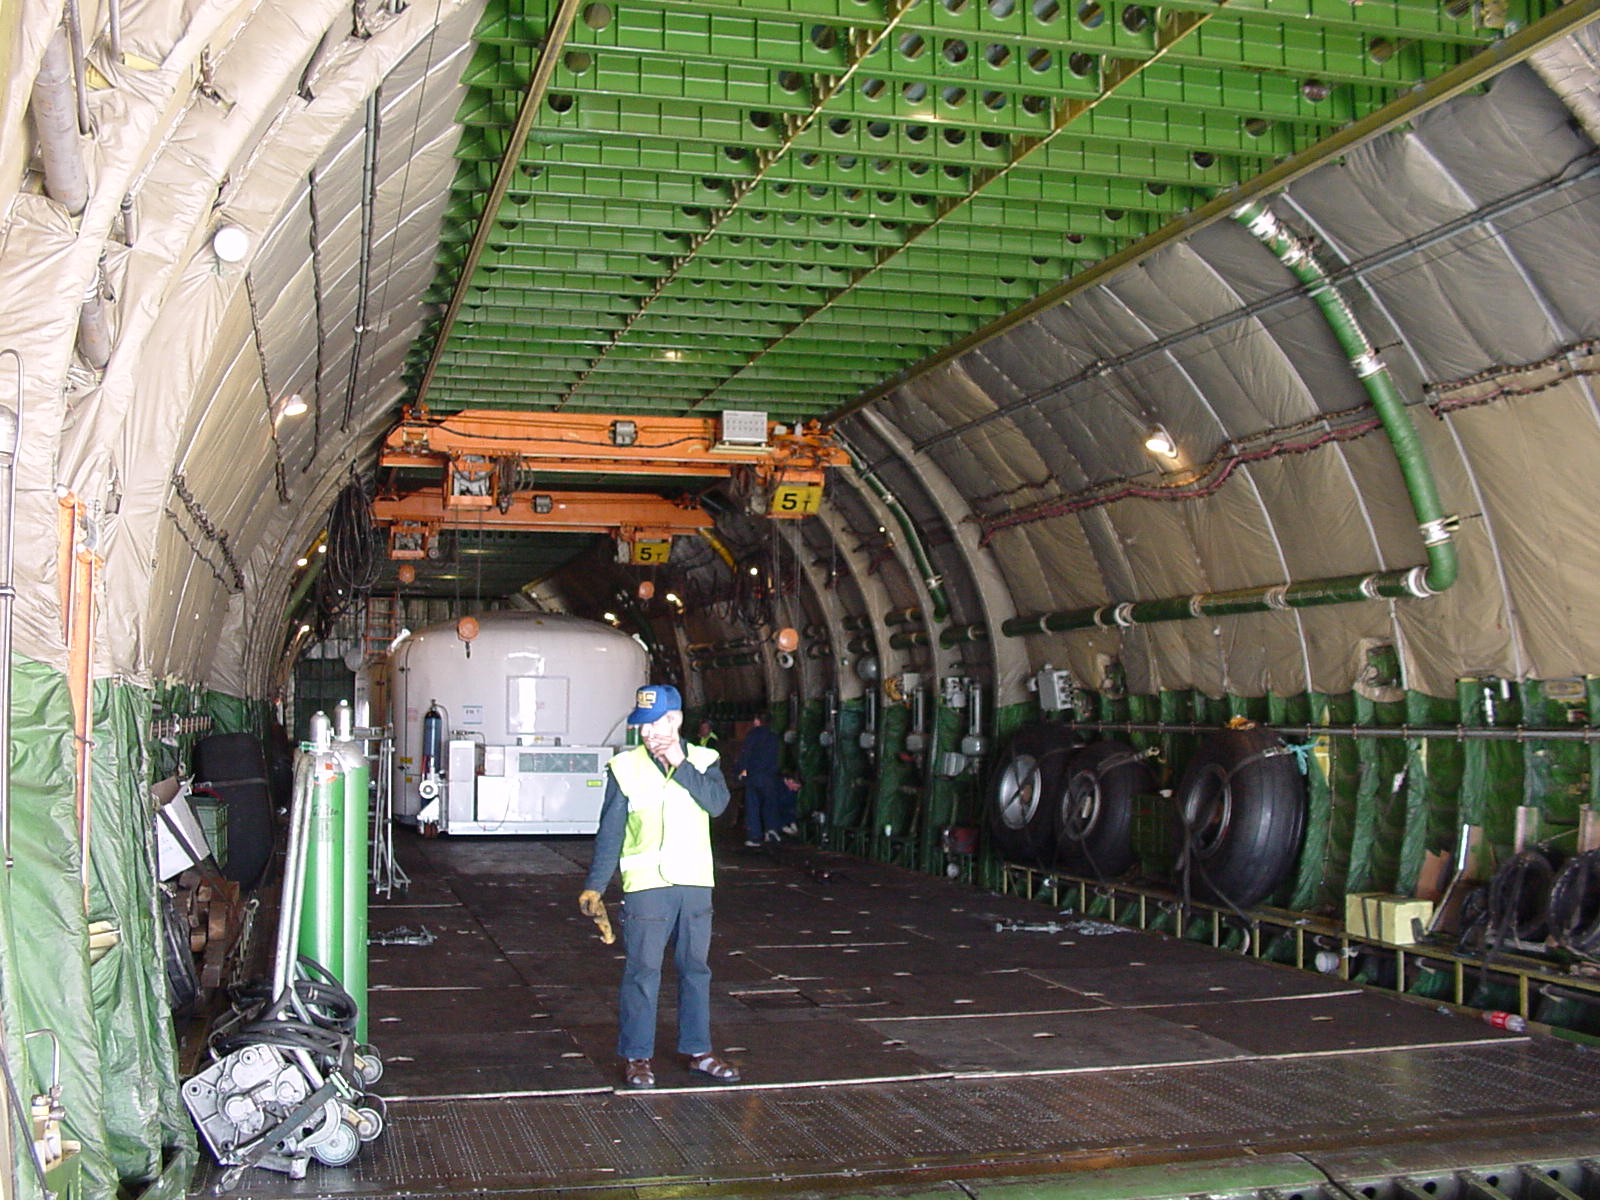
column 655, row 823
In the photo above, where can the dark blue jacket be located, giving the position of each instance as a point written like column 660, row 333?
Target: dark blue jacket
column 759, row 756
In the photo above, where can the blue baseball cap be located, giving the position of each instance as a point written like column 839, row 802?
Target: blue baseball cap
column 654, row 701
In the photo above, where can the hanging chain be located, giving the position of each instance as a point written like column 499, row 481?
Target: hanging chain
column 322, row 337
column 279, row 476
column 208, row 530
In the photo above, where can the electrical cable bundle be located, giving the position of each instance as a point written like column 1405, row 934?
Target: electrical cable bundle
column 354, row 557
column 355, row 544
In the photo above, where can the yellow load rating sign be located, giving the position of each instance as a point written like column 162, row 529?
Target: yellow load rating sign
column 652, row 550
column 796, row 500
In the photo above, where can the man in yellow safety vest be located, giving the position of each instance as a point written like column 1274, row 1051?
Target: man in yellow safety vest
column 655, row 823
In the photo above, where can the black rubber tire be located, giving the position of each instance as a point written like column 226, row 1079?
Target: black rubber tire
column 183, row 979
column 280, row 767
column 1519, row 897
column 1575, row 904
column 1243, row 810
column 1094, row 809
column 234, row 767
column 1019, row 798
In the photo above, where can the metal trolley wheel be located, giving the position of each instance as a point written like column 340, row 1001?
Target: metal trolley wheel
column 340, row 1147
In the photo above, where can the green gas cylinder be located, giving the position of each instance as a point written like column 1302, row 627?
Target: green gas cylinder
column 322, row 898
column 352, row 970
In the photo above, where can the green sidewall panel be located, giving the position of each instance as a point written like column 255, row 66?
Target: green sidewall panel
column 48, row 954
column 143, row 1112
column 120, row 1086
column 891, row 809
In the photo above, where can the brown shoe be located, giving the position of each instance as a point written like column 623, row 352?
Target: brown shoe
column 710, row 1064
column 639, row 1073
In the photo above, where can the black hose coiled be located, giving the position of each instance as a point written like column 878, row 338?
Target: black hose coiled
column 355, row 544
column 258, row 1019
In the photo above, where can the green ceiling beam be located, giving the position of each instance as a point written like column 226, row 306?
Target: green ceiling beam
column 750, row 54
column 852, row 308
column 826, row 226
column 799, row 233
column 697, row 188
column 1078, row 153
column 1199, row 84
column 773, row 262
column 1024, row 24
column 762, row 279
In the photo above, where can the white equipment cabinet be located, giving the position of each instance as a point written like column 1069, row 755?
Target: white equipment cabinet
column 532, row 708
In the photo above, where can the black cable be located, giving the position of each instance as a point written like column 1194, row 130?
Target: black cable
column 354, row 555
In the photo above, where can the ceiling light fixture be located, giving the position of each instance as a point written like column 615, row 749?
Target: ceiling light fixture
column 300, row 562
column 230, row 243
column 294, row 406
column 1158, row 441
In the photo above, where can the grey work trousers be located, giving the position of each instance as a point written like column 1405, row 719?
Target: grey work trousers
column 650, row 919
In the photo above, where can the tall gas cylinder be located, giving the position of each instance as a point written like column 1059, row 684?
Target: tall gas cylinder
column 352, row 971
column 322, row 909
column 433, row 741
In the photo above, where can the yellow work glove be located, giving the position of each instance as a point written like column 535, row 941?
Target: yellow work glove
column 590, row 904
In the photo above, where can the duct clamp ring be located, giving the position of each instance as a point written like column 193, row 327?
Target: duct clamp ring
column 1277, row 598
column 1197, row 604
column 1263, row 224
column 1437, row 531
column 1367, row 364
column 1123, row 615
column 1370, row 587
column 1416, row 582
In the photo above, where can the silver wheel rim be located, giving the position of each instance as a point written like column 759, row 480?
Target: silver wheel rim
column 1019, row 791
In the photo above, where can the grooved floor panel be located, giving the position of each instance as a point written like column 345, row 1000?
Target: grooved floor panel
column 888, row 1031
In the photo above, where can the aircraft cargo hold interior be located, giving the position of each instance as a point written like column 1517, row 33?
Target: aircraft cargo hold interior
column 811, row 598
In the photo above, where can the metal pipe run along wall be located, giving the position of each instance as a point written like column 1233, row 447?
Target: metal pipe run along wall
column 1434, row 526
column 1458, row 733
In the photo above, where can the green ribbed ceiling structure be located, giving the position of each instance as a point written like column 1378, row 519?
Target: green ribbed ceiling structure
column 780, row 204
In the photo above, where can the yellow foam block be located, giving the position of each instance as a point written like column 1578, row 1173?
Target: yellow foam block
column 1385, row 917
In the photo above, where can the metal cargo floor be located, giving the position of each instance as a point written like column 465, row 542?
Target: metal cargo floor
column 896, row 1037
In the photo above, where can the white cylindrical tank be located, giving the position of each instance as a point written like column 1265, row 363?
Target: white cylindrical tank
column 531, row 710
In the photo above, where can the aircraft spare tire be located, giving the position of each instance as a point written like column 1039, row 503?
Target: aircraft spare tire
column 1574, row 909
column 1241, row 809
column 233, row 766
column 1094, row 810
column 1020, row 798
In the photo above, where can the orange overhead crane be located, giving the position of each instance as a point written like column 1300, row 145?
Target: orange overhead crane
column 775, row 470
column 644, row 523
column 779, row 468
